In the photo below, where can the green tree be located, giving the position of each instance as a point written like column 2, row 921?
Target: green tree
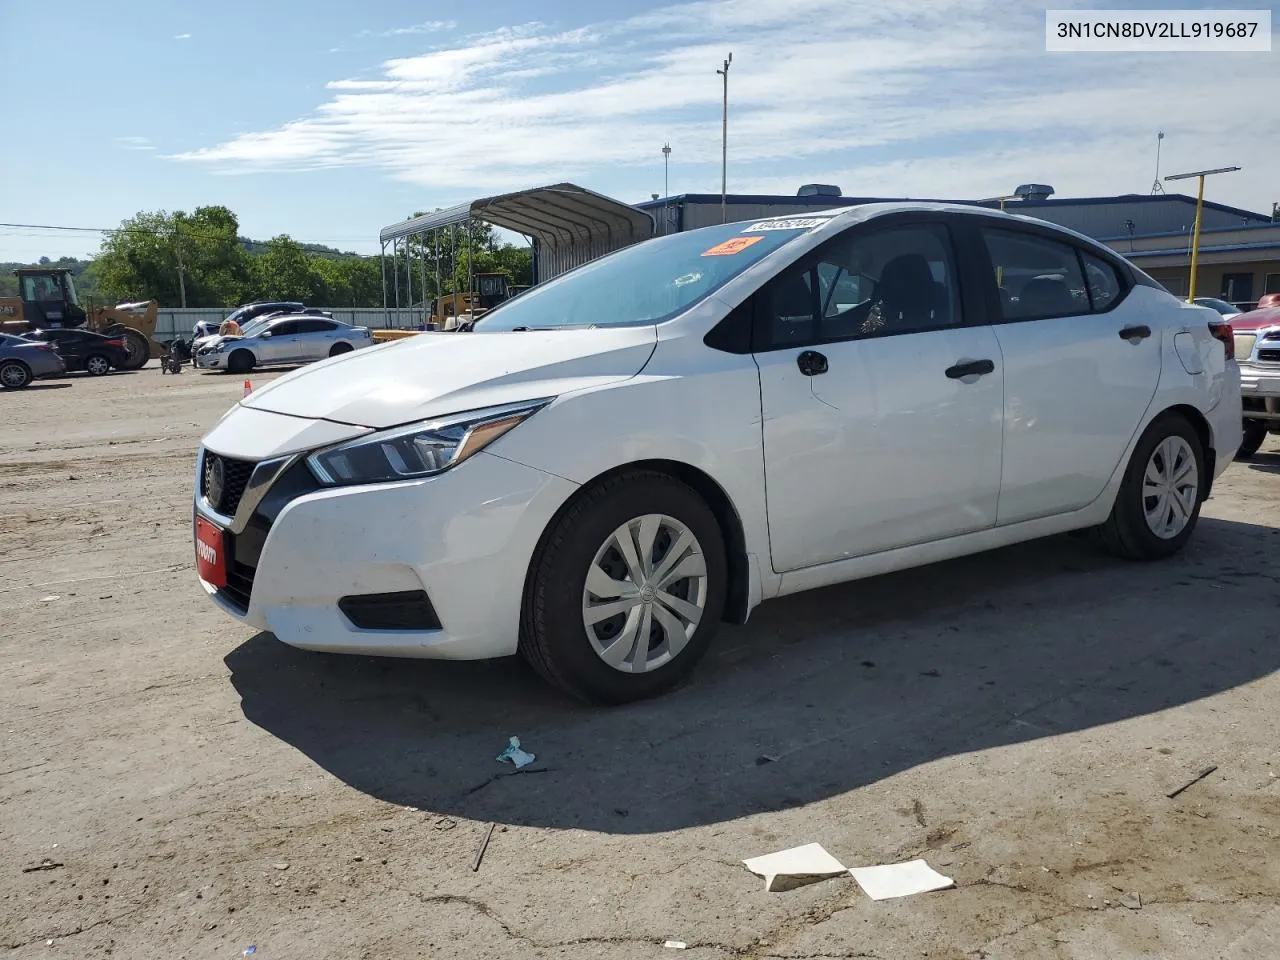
column 284, row 272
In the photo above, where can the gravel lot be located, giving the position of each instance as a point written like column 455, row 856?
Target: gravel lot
column 1017, row 719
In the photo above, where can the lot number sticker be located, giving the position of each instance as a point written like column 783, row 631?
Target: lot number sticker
column 799, row 223
column 730, row 247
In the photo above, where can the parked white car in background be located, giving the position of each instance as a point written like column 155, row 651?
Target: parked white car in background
column 626, row 455
column 281, row 338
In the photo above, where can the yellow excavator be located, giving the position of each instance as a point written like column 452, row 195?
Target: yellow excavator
column 47, row 298
column 455, row 310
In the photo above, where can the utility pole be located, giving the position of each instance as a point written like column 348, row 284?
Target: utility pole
column 666, row 188
column 724, row 144
column 1158, row 187
column 1195, row 233
column 182, row 282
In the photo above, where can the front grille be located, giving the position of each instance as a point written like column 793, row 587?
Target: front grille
column 244, row 548
column 1273, row 335
column 235, row 476
column 1270, row 355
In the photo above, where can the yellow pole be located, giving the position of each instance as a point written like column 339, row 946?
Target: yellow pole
column 1195, row 242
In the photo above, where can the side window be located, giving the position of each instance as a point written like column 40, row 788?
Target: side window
column 877, row 282
column 286, row 329
column 315, row 326
column 1036, row 278
column 1105, row 287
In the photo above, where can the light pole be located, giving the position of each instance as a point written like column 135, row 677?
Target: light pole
column 724, row 144
column 1195, row 233
column 666, row 160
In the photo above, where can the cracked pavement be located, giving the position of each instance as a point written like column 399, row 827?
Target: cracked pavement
column 1016, row 719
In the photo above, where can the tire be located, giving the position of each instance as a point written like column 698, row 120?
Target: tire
column 137, row 347
column 1255, row 432
column 96, row 365
column 554, row 636
column 338, row 349
column 1134, row 533
column 240, row 361
column 14, row 375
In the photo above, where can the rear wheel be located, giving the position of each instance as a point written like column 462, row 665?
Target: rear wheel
column 1159, row 501
column 14, row 375
column 241, row 361
column 339, row 348
column 96, row 365
column 626, row 591
column 1255, row 432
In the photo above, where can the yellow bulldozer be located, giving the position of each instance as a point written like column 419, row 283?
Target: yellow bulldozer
column 47, row 298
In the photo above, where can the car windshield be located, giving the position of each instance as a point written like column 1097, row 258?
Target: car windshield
column 254, row 327
column 646, row 283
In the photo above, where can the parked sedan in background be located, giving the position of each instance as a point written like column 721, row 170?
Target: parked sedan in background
column 624, row 456
column 1222, row 306
column 85, row 350
column 284, row 338
column 22, row 361
column 1257, row 340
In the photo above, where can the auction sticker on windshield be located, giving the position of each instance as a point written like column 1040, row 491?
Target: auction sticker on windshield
column 731, row 246
column 796, row 223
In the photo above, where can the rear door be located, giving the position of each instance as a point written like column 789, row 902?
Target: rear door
column 882, row 393
column 1081, row 366
column 316, row 338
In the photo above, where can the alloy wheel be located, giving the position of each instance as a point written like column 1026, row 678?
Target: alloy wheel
column 645, row 593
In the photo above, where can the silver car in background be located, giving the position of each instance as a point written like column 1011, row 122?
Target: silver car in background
column 22, row 361
column 284, row 338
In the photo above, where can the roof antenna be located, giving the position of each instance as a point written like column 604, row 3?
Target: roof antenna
column 1157, row 186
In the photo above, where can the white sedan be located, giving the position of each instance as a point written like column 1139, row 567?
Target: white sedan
column 280, row 338
column 627, row 455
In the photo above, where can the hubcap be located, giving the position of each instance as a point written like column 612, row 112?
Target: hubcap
column 13, row 374
column 1170, row 487
column 97, row 365
column 645, row 593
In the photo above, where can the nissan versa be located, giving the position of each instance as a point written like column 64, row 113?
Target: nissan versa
column 623, row 457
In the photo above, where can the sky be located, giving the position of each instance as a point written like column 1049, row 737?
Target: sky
column 329, row 120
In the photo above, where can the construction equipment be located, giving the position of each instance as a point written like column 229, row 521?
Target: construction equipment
column 47, row 299
column 458, row 310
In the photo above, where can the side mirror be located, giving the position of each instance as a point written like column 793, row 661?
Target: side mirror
column 264, row 334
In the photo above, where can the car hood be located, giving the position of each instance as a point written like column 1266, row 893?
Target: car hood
column 434, row 374
column 1255, row 319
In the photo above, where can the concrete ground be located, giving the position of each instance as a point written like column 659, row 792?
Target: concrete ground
column 173, row 785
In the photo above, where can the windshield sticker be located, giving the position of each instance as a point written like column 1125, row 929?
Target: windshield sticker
column 796, row 223
column 731, row 246
column 687, row 279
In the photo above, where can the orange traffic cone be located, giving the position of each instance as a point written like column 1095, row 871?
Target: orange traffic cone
column 248, row 387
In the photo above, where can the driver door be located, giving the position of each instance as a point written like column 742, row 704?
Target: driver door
column 882, row 397
column 282, row 346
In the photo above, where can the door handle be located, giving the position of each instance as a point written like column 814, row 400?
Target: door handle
column 971, row 368
column 811, row 363
column 1140, row 332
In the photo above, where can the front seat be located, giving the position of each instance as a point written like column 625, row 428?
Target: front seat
column 907, row 293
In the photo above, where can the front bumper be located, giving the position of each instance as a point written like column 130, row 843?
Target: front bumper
column 211, row 361
column 1260, row 391
column 465, row 537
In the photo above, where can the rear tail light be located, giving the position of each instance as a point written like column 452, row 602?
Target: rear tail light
column 1224, row 333
column 116, row 343
column 45, row 347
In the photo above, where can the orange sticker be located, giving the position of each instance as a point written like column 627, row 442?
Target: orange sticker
column 730, row 247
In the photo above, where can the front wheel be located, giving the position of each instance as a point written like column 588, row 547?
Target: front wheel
column 241, row 361
column 1255, row 433
column 626, row 590
column 96, row 365
column 14, row 375
column 1159, row 501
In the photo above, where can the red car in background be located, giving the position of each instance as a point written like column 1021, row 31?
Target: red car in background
column 1268, row 300
column 1257, row 342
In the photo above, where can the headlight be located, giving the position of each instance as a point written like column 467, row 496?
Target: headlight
column 420, row 449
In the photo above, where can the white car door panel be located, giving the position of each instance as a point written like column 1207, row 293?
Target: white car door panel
column 1075, row 392
column 896, row 442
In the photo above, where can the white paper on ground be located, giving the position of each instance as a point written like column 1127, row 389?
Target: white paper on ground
column 792, row 868
column 899, row 879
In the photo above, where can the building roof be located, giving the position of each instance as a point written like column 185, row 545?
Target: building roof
column 557, row 214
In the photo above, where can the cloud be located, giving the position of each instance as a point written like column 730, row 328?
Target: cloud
column 134, row 143
column 428, row 26
column 182, row 36
column 951, row 98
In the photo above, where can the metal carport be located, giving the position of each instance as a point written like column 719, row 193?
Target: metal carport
column 568, row 225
